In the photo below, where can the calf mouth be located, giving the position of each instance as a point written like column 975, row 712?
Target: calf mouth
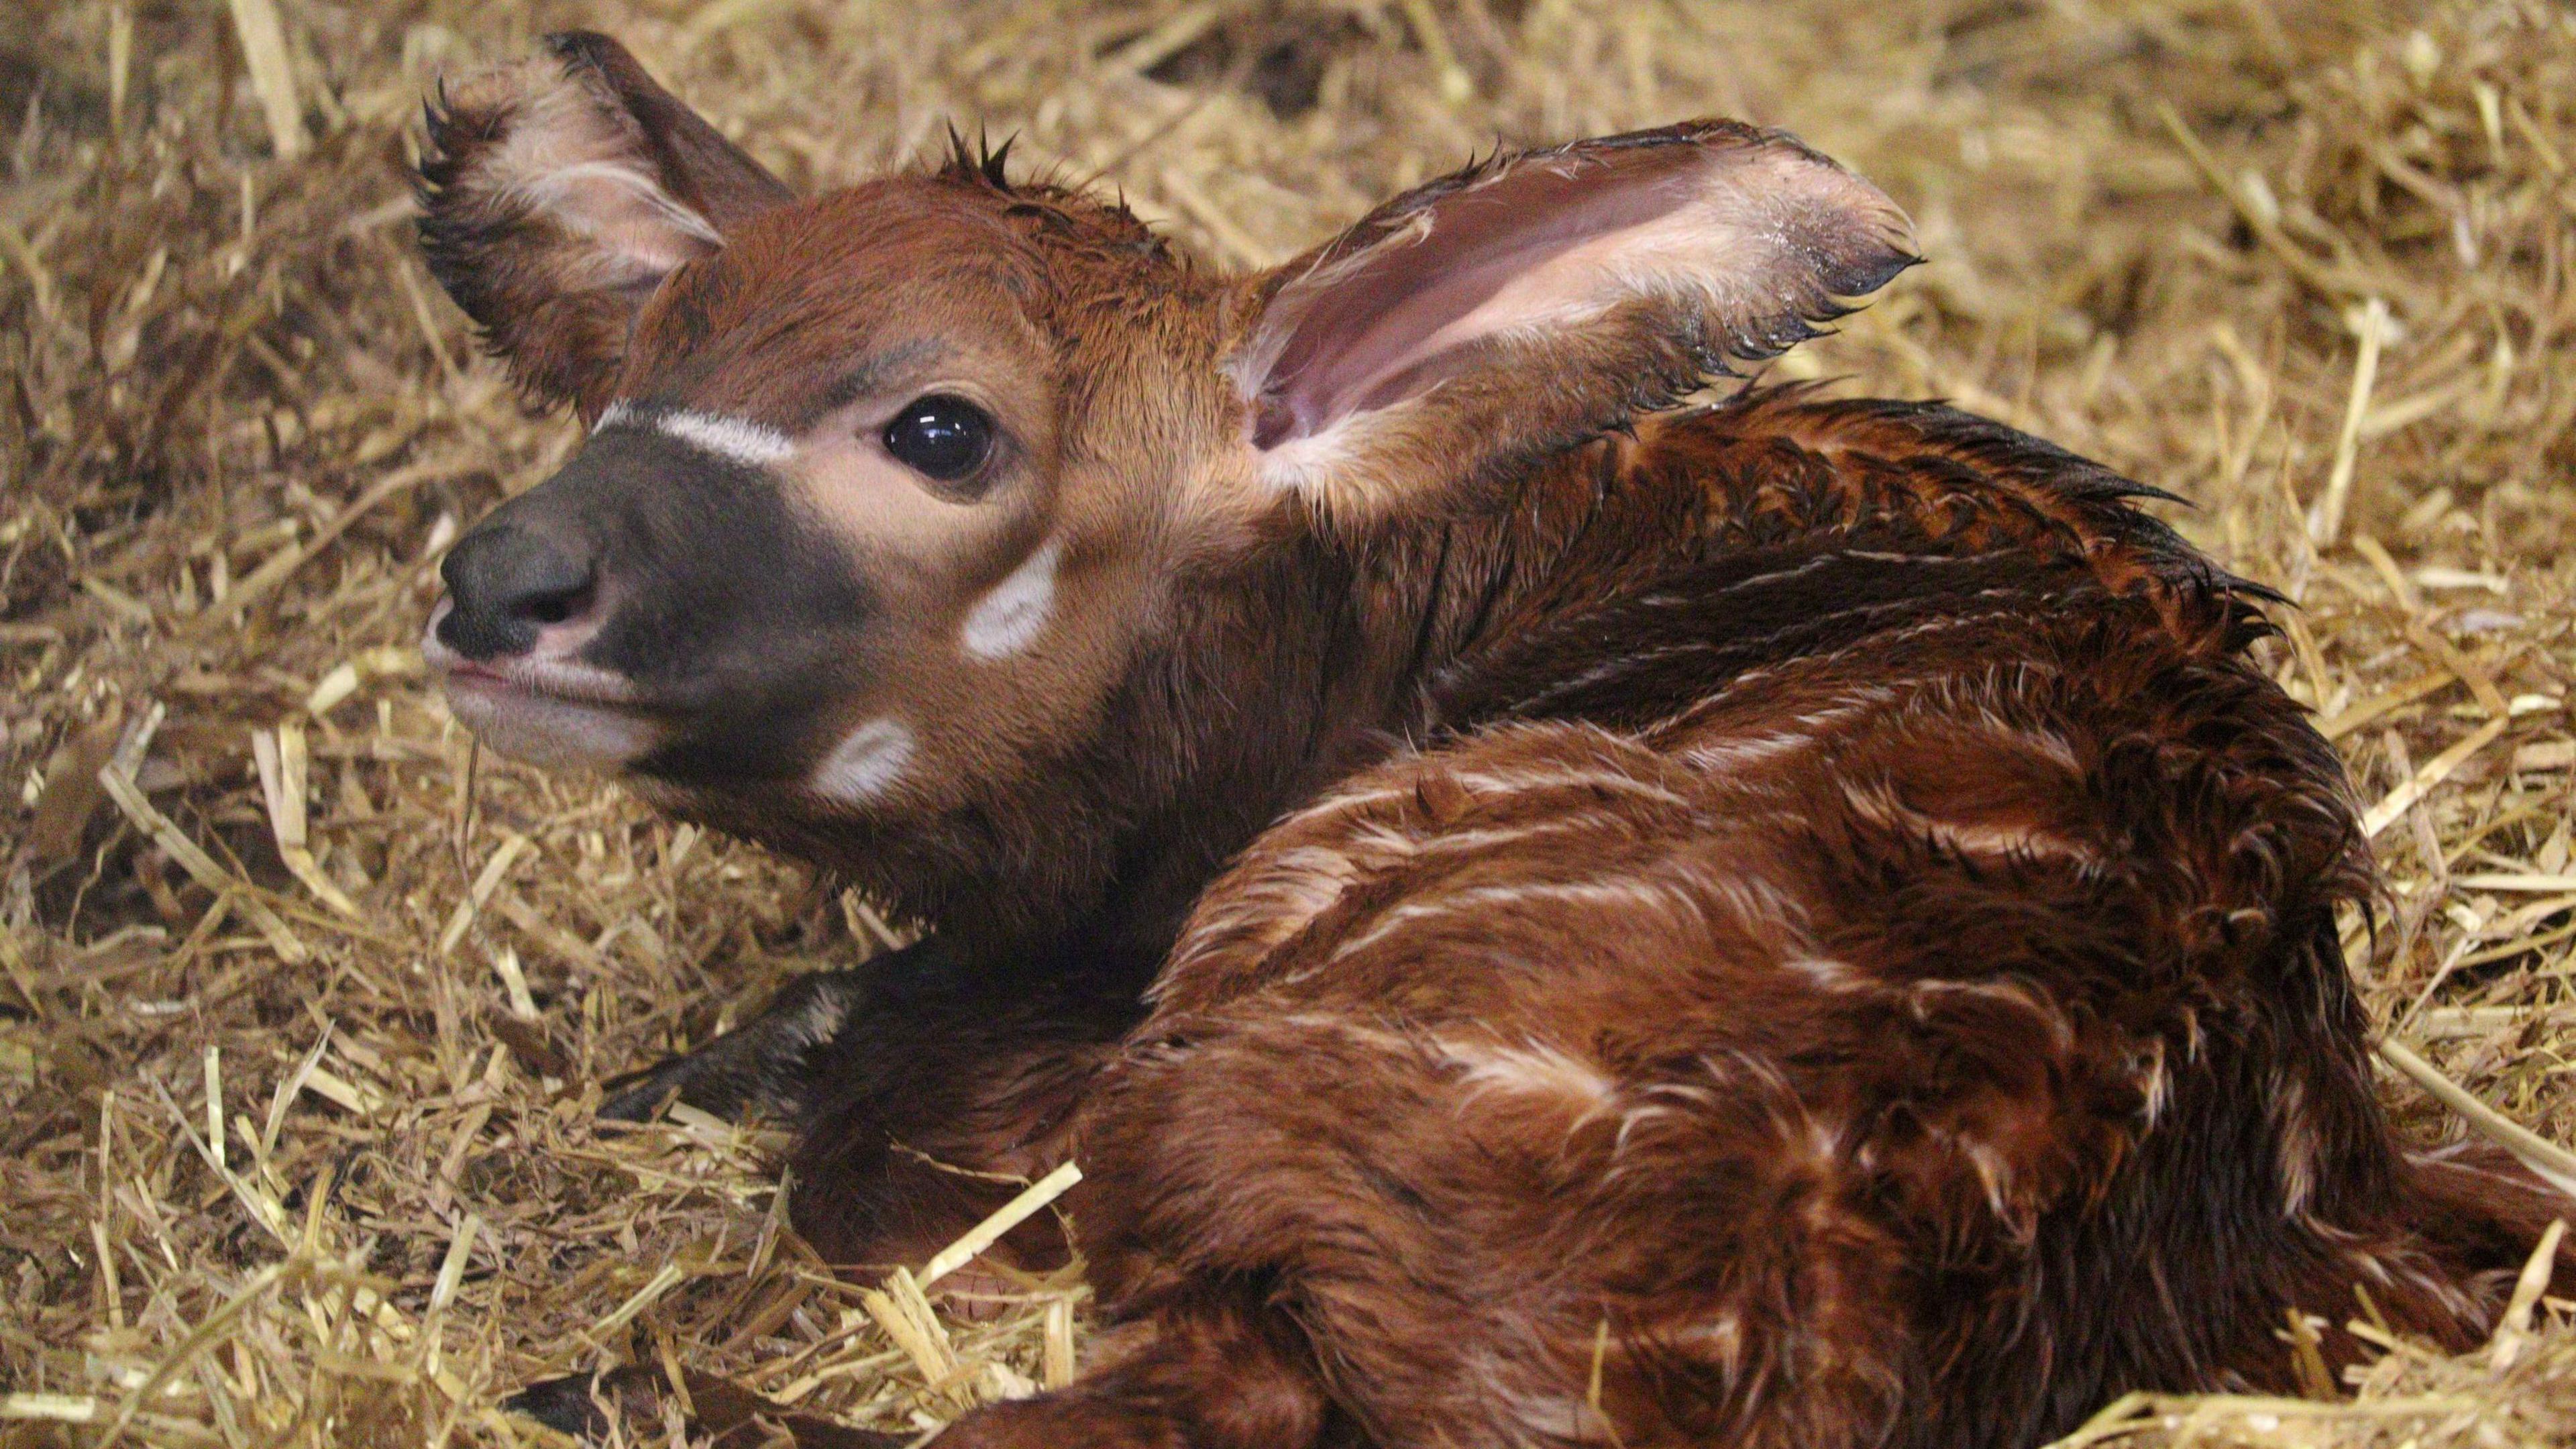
column 545, row 709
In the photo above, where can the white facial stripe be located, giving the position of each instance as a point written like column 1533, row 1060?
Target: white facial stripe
column 1009, row 619
column 866, row 763
column 736, row 440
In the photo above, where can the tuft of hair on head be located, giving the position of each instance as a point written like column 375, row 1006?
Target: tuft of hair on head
column 982, row 163
column 1067, row 212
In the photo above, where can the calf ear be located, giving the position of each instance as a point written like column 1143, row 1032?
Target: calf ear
column 559, row 192
column 1538, row 299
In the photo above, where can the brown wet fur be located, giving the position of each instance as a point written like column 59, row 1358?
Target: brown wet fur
column 1783, row 922
column 2076, row 1102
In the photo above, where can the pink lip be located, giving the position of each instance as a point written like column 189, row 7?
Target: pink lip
column 561, row 680
column 547, row 707
column 535, row 684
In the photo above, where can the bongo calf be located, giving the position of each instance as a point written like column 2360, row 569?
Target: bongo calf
column 1550, row 913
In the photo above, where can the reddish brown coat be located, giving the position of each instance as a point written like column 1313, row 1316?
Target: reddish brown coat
column 1870, row 979
column 1547, row 917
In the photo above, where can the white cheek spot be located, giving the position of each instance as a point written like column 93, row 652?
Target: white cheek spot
column 866, row 763
column 1009, row 619
column 736, row 440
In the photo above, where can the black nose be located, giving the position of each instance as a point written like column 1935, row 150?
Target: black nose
column 507, row 583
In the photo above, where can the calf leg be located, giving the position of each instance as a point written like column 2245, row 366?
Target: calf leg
column 765, row 1065
column 910, row 1023
column 628, row 1405
column 921, row 1083
column 1213, row 1369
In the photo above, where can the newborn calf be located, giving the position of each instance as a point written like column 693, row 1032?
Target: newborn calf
column 1549, row 913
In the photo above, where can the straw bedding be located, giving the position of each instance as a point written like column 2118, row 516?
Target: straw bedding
column 302, row 1004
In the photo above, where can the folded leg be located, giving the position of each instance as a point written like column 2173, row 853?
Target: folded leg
column 765, row 1065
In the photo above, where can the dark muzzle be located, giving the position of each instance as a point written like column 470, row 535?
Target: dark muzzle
column 506, row 582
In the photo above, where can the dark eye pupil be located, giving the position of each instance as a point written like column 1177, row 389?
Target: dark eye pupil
column 943, row 437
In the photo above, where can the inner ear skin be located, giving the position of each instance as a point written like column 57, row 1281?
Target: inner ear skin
column 736, row 617
column 1584, row 283
column 692, row 159
column 1486, row 242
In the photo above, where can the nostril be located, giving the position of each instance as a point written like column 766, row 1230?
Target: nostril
column 507, row 583
column 557, row 608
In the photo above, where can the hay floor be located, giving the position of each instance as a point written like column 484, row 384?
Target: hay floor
column 301, row 1008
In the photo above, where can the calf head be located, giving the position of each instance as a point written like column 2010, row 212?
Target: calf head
column 891, row 492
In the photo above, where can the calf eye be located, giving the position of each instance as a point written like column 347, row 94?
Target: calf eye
column 940, row 436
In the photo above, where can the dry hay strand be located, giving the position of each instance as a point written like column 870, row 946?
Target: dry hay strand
column 303, row 1005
